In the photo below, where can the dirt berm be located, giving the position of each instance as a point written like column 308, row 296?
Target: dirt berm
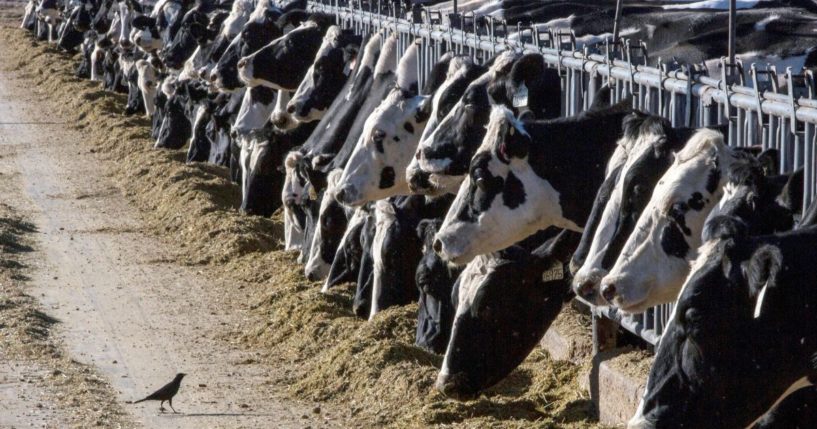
column 324, row 352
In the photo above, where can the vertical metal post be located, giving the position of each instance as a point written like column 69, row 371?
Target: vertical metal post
column 455, row 7
column 732, row 27
column 616, row 20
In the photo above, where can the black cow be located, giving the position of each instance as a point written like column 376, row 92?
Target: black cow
column 797, row 411
column 743, row 334
column 504, row 304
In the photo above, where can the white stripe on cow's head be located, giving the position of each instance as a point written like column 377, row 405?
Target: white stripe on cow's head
column 655, row 260
column 501, row 189
column 641, row 142
column 377, row 166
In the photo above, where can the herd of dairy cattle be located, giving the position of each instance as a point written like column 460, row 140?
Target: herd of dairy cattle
column 489, row 210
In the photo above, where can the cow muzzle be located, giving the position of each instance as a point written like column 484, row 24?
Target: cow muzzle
column 455, row 386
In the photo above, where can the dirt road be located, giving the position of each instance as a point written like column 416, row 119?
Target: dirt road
column 122, row 308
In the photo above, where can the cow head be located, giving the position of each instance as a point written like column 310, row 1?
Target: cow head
column 443, row 154
column 650, row 144
column 752, row 198
column 719, row 361
column 256, row 107
column 193, row 33
column 347, row 261
column 264, row 26
column 502, row 200
column 503, row 310
column 326, row 76
column 332, row 222
column 145, row 34
column 284, row 62
column 376, row 168
column 148, row 84
column 655, row 259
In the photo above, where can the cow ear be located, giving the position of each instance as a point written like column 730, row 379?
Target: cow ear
column 528, row 69
column 769, row 160
column 761, row 273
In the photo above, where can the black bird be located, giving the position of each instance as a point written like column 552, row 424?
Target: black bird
column 166, row 393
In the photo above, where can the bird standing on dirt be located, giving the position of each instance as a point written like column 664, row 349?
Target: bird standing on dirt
column 166, row 393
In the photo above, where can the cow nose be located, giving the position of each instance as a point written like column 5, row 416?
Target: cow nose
column 587, row 290
column 242, row 63
column 608, row 291
column 438, row 246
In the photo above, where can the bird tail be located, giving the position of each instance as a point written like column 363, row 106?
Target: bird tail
column 141, row 400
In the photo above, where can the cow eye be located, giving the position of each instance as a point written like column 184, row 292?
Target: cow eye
column 378, row 135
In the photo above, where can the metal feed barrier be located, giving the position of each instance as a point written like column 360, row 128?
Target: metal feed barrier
column 757, row 110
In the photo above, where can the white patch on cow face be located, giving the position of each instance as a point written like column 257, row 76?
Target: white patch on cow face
column 384, row 218
column 239, row 14
column 148, row 84
column 252, row 115
column 499, row 226
column 126, row 14
column 645, row 274
column 389, row 139
column 305, row 90
column 591, row 272
column 194, row 64
column 279, row 117
column 292, row 193
column 469, row 280
column 144, row 40
column 316, row 267
column 97, row 56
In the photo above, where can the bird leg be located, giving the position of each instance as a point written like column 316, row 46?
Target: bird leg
column 170, row 402
column 161, row 408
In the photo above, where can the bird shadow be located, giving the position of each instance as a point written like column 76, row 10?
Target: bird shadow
column 224, row 414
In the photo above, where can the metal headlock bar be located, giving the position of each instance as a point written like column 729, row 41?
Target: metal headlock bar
column 759, row 114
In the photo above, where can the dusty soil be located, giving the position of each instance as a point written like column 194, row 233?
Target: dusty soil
column 151, row 270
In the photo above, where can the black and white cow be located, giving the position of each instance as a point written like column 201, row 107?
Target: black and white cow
column 458, row 71
column 333, row 64
column 649, row 144
column 527, row 176
column 265, row 25
column 655, row 259
column 519, row 82
column 377, row 165
column 742, row 335
column 283, row 63
column 504, row 305
column 193, row 33
column 333, row 219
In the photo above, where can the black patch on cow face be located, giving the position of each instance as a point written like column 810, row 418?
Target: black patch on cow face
column 387, row 178
column 421, row 116
column 484, row 187
column 395, row 138
column 513, row 195
column 677, row 214
column 673, row 241
column 696, row 202
column 408, row 127
column 712, row 180
column 285, row 61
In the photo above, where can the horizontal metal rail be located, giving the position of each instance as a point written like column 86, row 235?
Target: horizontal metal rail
column 758, row 111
